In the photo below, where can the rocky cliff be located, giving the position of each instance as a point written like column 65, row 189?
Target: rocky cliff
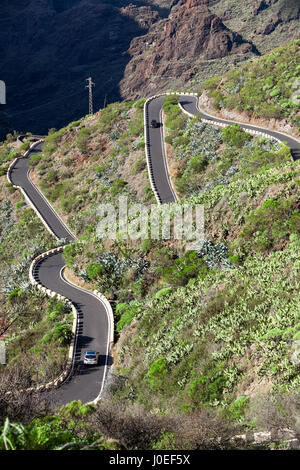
column 49, row 47
column 174, row 49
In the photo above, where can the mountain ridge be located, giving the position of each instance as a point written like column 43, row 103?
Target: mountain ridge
column 48, row 49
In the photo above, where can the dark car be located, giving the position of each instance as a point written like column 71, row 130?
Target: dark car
column 154, row 123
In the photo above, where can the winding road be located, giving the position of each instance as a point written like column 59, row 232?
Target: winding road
column 155, row 142
column 94, row 327
column 93, row 330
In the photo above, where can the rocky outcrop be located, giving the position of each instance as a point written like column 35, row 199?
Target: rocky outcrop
column 281, row 11
column 49, row 47
column 274, row 21
column 144, row 16
column 260, row 6
column 286, row 11
column 173, row 47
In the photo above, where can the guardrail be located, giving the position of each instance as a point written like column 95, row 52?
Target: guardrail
column 27, row 199
column 70, row 363
column 147, row 143
column 147, row 149
column 208, row 121
column 65, row 375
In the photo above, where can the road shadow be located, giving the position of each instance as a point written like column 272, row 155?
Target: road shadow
column 185, row 102
column 82, row 369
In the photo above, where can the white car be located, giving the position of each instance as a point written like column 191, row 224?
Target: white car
column 91, row 358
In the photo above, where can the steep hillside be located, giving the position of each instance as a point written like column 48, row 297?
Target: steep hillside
column 217, row 332
column 227, row 336
column 36, row 330
column 48, row 48
column 173, row 51
column 266, row 91
column 91, row 161
column 207, row 342
column 202, row 38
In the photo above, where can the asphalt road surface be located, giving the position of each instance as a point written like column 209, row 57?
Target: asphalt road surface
column 19, row 177
column 86, row 383
column 156, row 141
column 158, row 160
column 189, row 103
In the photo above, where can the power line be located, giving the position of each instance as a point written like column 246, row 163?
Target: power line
column 90, row 86
column 57, row 99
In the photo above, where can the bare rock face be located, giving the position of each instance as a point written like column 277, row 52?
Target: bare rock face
column 260, row 5
column 131, row 48
column 274, row 21
column 281, row 11
column 190, row 33
column 144, row 16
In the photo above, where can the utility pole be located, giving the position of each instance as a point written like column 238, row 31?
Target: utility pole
column 90, row 86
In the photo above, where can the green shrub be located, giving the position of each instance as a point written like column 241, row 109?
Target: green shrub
column 207, row 388
column 15, row 295
column 140, row 103
column 182, row 185
column 237, row 409
column 270, row 223
column 94, row 270
column 54, row 137
column 263, row 88
column 126, row 314
column 184, row 269
column 163, row 292
column 70, row 252
column 117, row 186
column 67, row 205
column 211, row 83
column 82, row 140
column 235, row 136
column 63, row 333
column 56, row 192
column 52, row 176
column 55, row 309
column 180, row 141
column 198, row 163
column 136, row 124
column 139, row 166
column 157, row 373
column 272, row 334
column 170, row 101
column 25, row 146
column 35, row 160
column 169, row 139
column 294, row 223
column 68, row 162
